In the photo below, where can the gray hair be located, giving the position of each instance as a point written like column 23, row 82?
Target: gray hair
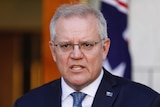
column 82, row 10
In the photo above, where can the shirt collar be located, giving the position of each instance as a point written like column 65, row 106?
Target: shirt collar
column 90, row 90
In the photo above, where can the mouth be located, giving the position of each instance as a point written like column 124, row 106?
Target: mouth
column 77, row 67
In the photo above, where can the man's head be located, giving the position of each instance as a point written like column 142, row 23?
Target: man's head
column 80, row 10
column 79, row 43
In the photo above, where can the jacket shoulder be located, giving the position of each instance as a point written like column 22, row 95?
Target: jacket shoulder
column 37, row 97
column 137, row 94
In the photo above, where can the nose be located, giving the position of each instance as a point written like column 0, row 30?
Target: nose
column 76, row 52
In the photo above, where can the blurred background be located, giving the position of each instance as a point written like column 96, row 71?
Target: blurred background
column 25, row 59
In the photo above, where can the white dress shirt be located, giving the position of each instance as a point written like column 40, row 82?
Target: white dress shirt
column 90, row 90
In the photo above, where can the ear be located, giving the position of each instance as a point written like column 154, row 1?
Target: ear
column 106, row 46
column 51, row 45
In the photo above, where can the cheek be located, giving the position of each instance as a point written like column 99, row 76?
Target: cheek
column 61, row 62
column 95, row 60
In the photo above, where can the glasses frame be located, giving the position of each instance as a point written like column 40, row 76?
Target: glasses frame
column 80, row 45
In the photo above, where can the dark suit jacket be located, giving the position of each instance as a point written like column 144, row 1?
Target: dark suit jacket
column 112, row 92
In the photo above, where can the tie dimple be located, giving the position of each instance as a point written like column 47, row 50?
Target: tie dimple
column 78, row 98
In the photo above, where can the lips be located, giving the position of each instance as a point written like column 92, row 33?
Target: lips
column 77, row 67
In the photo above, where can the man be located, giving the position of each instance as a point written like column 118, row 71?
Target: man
column 79, row 44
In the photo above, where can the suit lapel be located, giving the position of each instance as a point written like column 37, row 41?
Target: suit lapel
column 106, row 93
column 105, row 96
column 53, row 95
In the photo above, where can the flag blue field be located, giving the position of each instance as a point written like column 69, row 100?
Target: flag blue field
column 118, row 61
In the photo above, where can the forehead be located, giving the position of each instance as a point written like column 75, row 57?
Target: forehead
column 77, row 26
column 89, row 18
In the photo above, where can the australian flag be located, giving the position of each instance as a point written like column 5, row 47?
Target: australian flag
column 118, row 61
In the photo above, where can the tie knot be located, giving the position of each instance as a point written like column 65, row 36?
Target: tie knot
column 78, row 98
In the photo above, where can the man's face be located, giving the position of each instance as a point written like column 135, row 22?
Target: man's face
column 79, row 68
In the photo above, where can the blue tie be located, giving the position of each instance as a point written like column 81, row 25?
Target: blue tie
column 78, row 98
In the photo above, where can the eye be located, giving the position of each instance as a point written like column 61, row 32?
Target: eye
column 65, row 45
column 87, row 45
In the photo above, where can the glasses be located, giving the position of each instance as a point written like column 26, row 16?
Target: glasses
column 67, row 47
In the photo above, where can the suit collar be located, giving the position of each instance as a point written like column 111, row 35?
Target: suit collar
column 105, row 95
column 107, row 91
column 53, row 95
